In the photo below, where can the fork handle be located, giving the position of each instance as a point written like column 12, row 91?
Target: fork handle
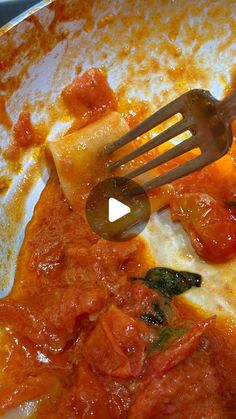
column 228, row 107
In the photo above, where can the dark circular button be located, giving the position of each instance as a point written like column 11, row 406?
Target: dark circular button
column 117, row 209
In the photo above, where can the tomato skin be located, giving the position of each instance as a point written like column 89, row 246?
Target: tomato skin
column 210, row 226
column 54, row 326
column 160, row 363
column 135, row 298
column 27, row 322
column 75, row 302
column 114, row 346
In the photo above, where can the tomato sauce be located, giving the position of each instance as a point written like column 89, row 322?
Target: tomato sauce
column 73, row 327
column 4, row 117
column 25, row 135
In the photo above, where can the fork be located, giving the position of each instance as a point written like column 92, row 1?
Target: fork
column 208, row 120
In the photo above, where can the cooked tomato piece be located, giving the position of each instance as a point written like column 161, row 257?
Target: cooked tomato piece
column 229, row 190
column 118, row 260
column 209, row 180
column 135, row 298
column 86, row 399
column 210, row 225
column 24, row 133
column 114, row 346
column 190, row 390
column 54, row 325
column 160, row 363
column 230, row 195
column 23, row 378
column 23, row 130
column 89, row 93
column 76, row 301
column 30, row 323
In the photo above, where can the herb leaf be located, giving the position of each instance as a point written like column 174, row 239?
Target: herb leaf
column 158, row 317
column 167, row 335
column 170, row 282
column 149, row 318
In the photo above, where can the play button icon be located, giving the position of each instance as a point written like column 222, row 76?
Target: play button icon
column 114, row 212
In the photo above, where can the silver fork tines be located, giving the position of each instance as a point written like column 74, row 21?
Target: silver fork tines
column 176, row 151
column 164, row 136
column 152, row 121
column 204, row 116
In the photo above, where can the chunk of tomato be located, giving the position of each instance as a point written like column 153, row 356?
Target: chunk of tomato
column 114, row 346
column 160, row 363
column 190, row 390
column 210, row 225
column 24, row 133
column 75, row 302
column 89, row 93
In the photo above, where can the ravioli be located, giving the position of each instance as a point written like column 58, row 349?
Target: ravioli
column 80, row 161
column 79, row 156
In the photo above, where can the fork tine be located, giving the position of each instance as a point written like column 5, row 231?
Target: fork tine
column 183, row 147
column 164, row 136
column 180, row 171
column 157, row 118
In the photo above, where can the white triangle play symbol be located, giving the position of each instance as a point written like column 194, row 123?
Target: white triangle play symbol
column 116, row 210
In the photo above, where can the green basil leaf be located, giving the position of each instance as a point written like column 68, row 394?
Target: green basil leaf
column 170, row 282
column 159, row 313
column 166, row 336
column 150, row 319
column 158, row 317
